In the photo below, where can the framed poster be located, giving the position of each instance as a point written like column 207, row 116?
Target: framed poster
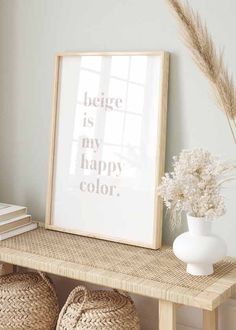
column 108, row 146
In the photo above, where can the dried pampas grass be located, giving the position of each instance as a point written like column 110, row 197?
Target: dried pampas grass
column 208, row 59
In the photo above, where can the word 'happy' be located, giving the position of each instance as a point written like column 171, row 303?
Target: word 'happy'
column 101, row 167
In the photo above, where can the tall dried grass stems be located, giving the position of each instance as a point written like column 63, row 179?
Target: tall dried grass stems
column 208, row 59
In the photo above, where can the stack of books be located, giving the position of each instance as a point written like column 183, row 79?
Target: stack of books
column 14, row 220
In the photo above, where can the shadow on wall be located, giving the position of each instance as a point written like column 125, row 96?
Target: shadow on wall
column 175, row 134
column 9, row 117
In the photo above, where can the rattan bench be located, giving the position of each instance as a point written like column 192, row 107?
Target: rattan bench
column 157, row 274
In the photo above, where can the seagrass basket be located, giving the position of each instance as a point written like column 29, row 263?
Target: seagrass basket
column 100, row 310
column 27, row 302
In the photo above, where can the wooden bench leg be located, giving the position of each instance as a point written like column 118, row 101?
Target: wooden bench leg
column 210, row 320
column 167, row 315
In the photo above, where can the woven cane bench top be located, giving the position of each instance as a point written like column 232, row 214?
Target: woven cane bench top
column 153, row 273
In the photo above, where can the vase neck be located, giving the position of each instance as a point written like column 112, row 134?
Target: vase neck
column 199, row 226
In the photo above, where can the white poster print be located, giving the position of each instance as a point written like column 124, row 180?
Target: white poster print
column 106, row 146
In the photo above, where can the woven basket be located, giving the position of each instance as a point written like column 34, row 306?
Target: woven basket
column 100, row 310
column 27, row 302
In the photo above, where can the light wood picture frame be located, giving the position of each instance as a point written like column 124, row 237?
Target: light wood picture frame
column 107, row 151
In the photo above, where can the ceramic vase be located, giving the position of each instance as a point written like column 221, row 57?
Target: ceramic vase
column 198, row 247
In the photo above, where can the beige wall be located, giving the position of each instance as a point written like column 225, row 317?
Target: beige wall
column 32, row 31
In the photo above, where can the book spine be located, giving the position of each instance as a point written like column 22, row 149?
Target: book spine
column 15, row 224
column 18, row 231
column 13, row 214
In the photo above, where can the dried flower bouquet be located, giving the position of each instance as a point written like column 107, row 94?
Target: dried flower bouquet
column 194, row 186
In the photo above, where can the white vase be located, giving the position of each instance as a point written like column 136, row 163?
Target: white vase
column 198, row 247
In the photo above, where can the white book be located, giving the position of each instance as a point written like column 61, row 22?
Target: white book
column 13, row 223
column 18, row 231
column 8, row 211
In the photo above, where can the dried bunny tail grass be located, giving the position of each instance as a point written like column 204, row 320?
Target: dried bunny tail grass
column 208, row 59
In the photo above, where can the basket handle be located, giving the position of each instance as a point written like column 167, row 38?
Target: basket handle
column 46, row 280
column 70, row 299
column 123, row 293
